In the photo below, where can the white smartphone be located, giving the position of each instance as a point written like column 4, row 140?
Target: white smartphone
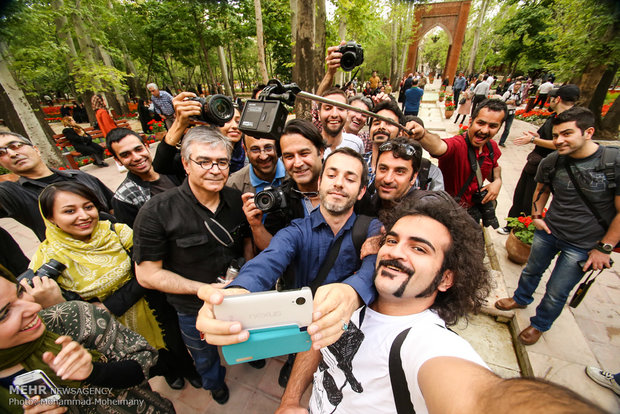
column 36, row 382
column 267, row 309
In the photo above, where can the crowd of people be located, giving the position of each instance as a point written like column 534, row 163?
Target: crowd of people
column 390, row 244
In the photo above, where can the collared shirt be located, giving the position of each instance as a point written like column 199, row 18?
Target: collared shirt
column 371, row 172
column 350, row 141
column 163, row 103
column 460, row 83
column 305, row 245
column 482, row 89
column 20, row 200
column 171, row 227
column 454, row 165
column 413, row 96
column 246, row 181
column 259, row 184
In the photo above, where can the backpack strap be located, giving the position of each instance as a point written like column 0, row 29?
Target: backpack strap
column 423, row 173
column 608, row 164
column 402, row 397
column 360, row 231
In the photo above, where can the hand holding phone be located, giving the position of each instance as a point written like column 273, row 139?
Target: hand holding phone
column 37, row 385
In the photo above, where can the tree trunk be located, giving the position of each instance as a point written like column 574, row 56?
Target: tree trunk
column 119, row 100
column 224, row 69
column 303, row 71
column 394, row 52
column 260, row 42
column 210, row 77
column 231, row 72
column 611, row 121
column 21, row 118
column 342, row 35
column 474, row 46
column 293, row 4
column 320, row 42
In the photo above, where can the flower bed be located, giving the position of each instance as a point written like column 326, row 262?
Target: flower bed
column 533, row 115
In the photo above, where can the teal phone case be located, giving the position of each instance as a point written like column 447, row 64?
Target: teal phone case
column 267, row 343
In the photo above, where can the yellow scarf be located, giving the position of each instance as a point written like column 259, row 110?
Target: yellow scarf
column 97, row 268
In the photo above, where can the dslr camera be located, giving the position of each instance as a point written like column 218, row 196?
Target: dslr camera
column 265, row 117
column 216, row 109
column 51, row 269
column 484, row 212
column 270, row 199
column 352, row 56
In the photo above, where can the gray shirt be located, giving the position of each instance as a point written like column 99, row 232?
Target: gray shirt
column 569, row 218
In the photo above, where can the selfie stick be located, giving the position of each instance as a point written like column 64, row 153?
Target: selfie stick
column 313, row 97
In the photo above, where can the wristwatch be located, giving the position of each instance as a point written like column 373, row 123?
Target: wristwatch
column 604, row 247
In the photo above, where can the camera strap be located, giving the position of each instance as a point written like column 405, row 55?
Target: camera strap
column 475, row 163
column 214, row 228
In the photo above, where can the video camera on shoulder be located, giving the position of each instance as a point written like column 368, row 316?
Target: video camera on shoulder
column 265, row 117
column 216, row 109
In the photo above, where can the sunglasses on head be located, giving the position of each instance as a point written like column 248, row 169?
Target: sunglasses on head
column 402, row 149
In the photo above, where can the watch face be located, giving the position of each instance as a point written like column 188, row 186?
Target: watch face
column 608, row 247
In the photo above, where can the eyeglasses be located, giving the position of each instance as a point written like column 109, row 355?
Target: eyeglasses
column 13, row 146
column 208, row 164
column 267, row 149
column 402, row 149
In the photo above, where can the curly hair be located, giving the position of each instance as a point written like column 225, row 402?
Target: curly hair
column 472, row 280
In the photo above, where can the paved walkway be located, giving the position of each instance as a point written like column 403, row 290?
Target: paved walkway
column 588, row 335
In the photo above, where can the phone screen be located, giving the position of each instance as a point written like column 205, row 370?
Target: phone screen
column 35, row 383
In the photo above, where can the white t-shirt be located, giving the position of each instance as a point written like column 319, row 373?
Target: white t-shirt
column 545, row 88
column 364, row 354
column 350, row 141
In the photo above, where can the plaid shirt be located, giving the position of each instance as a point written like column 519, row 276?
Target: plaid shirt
column 163, row 103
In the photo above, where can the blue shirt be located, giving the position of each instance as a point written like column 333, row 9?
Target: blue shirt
column 460, row 83
column 305, row 244
column 260, row 185
column 163, row 103
column 413, row 96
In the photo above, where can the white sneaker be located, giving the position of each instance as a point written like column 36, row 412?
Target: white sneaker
column 603, row 378
column 503, row 230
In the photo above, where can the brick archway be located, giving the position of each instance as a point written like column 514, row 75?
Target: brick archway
column 452, row 18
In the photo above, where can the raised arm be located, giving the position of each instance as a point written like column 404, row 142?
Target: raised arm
column 333, row 63
column 430, row 142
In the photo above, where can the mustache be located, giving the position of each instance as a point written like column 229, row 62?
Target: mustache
column 381, row 131
column 398, row 265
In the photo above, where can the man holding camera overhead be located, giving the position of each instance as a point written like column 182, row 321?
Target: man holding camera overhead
column 468, row 159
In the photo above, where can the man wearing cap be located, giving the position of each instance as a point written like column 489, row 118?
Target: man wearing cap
column 560, row 99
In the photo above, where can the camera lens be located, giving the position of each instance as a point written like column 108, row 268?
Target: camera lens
column 221, row 108
column 300, row 301
column 347, row 61
column 264, row 201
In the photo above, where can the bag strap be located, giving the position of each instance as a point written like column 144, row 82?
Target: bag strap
column 358, row 234
column 423, row 173
column 474, row 163
column 400, row 390
column 585, row 199
column 213, row 226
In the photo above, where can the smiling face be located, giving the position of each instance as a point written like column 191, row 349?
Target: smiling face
column 262, row 155
column 20, row 160
column 355, row 120
column 333, row 118
column 213, row 179
column 409, row 264
column 231, row 128
column 394, row 176
column 19, row 322
column 75, row 215
column 484, row 127
column 569, row 140
column 381, row 131
column 302, row 160
column 339, row 186
column 132, row 154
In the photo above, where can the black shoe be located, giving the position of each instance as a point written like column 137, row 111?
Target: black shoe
column 102, row 164
column 285, row 373
column 258, row 364
column 502, row 145
column 195, row 380
column 176, row 383
column 221, row 394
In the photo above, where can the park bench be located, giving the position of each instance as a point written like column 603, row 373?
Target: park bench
column 71, row 154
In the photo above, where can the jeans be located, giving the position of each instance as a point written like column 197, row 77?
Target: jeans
column 507, row 125
column 565, row 275
column 457, row 92
column 414, row 113
column 206, row 357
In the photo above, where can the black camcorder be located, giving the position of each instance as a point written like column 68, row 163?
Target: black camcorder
column 270, row 199
column 265, row 117
column 352, row 56
column 484, row 212
column 216, row 109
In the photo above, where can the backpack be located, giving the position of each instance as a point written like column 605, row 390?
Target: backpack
column 425, row 167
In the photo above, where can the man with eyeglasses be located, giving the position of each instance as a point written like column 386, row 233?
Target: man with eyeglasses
column 186, row 237
column 264, row 169
column 513, row 98
column 19, row 200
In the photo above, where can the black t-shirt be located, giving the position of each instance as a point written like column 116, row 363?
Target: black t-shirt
column 171, row 227
column 162, row 184
column 545, row 133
